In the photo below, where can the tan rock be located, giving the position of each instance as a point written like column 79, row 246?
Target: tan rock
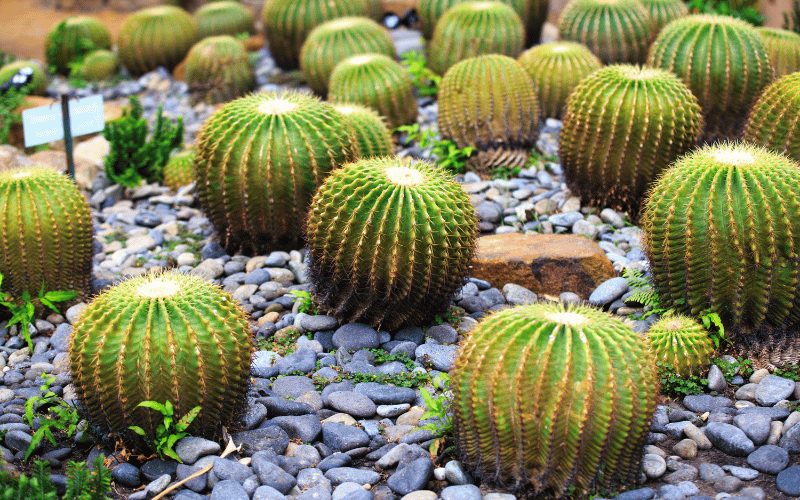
column 411, row 417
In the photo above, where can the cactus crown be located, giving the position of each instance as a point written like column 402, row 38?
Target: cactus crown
column 681, row 343
column 224, row 18
column 219, row 69
column 374, row 137
column 783, row 47
column 775, row 118
column 156, row 36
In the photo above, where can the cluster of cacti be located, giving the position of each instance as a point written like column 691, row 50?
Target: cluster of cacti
column 156, row 36
column 623, row 126
column 259, row 161
column 722, row 60
column 72, row 39
column 681, row 343
column 663, row 12
column 475, row 28
column 489, row 102
column 783, row 48
column 161, row 337
column 287, row 23
column 224, row 18
column 774, row 121
column 179, row 170
column 430, row 11
column 47, row 233
column 218, row 68
column 38, row 82
column 556, row 68
column 99, row 65
column 334, row 41
column 373, row 137
column 616, row 31
column 390, row 241
column 378, row 82
column 720, row 235
column 553, row 399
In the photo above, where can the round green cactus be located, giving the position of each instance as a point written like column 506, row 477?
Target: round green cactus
column 38, row 83
column 556, row 69
column 334, row 41
column 775, row 118
column 219, row 68
column 47, row 233
column 287, row 23
column 551, row 399
column 722, row 60
column 72, row 39
column 623, row 125
column 260, row 159
column 475, row 28
column 161, row 337
column 663, row 12
column 378, row 82
column 682, row 344
column 374, row 138
column 224, row 18
column 720, row 235
column 430, row 11
column 179, row 170
column 390, row 241
column 783, row 47
column 489, row 103
column 99, row 65
column 616, row 31
column 156, row 36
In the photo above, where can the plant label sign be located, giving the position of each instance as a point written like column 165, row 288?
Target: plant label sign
column 46, row 123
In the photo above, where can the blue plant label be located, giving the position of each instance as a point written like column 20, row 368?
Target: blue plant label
column 45, row 123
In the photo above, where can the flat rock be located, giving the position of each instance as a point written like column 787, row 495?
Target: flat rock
column 268, row 438
column 729, row 439
column 701, row 403
column 341, row 437
column 772, row 389
column 355, row 336
column 386, row 394
column 769, row 459
column 341, row 475
column 189, row 449
column 306, row 428
column 755, row 426
column 788, row 481
column 441, row 357
column 229, row 490
column 353, row 403
column 414, row 476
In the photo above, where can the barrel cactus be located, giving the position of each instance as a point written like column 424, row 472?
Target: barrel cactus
column 99, row 65
column 720, row 235
column 38, row 82
column 663, row 12
column 156, row 36
column 556, row 68
column 259, row 160
column 161, row 337
column 623, row 125
column 334, row 41
column 474, row 28
column 430, row 11
column 722, row 60
column 774, row 121
column 179, row 170
column 553, row 399
column 47, row 233
column 219, row 69
column 783, row 47
column 682, row 344
column 224, row 18
column 378, row 82
column 373, row 137
column 616, row 31
column 72, row 39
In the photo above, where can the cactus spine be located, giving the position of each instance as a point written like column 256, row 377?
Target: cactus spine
column 547, row 398
column 224, row 18
column 99, row 65
column 624, row 125
column 663, row 12
column 47, row 233
column 682, row 344
column 390, row 241
column 783, row 47
column 73, row 38
column 38, row 83
column 156, row 36
column 219, row 69
column 161, row 337
column 374, row 138
column 775, row 119
column 179, row 170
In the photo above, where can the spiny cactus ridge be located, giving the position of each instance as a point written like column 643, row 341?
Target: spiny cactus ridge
column 73, row 38
column 430, row 11
column 783, row 47
column 774, row 121
column 219, row 69
column 224, row 18
column 663, row 12
column 374, row 138
column 156, row 36
column 179, row 170
column 681, row 343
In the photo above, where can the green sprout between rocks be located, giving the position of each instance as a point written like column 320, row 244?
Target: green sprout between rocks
column 448, row 155
column 169, row 431
column 53, row 414
column 425, row 80
column 438, row 413
column 82, row 483
column 673, row 384
column 304, row 300
column 730, row 369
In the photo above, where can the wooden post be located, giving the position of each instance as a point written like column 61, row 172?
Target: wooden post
column 67, row 135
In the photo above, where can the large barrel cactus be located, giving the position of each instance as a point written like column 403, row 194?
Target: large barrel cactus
column 179, row 170
column 47, row 233
column 72, row 39
column 614, row 30
column 376, row 81
column 259, row 160
column 218, row 68
column 224, row 18
column 721, row 236
column 390, row 241
column 663, row 12
column 549, row 400
column 623, row 125
column 38, row 82
column 783, row 47
column 374, row 138
column 161, row 337
column 334, row 41
column 156, row 36
column 489, row 102
column 474, row 28
column 722, row 60
column 430, row 11
column 774, row 121
column 99, row 65
column 556, row 68
column 681, row 343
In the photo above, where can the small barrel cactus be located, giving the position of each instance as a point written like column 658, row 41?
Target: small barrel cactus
column 38, row 83
column 663, row 12
column 72, row 39
column 783, row 47
column 259, row 161
column 378, row 82
column 47, row 233
column 475, row 28
column 722, row 60
column 720, row 235
column 156, row 36
column 682, row 344
column 179, row 170
column 623, row 125
column 374, row 138
column 553, row 399
column 556, row 68
column 219, row 68
column 99, row 65
column 161, row 337
column 489, row 102
column 390, row 241
column 616, row 31
column 430, row 11
column 775, row 118
column 287, row 23
column 334, row 41
column 224, row 18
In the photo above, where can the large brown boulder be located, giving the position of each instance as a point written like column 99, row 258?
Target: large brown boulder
column 545, row 263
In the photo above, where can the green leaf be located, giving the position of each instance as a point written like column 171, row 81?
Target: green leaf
column 138, row 430
column 154, row 405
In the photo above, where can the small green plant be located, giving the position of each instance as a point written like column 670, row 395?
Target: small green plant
column 85, row 484
column 168, row 431
column 746, row 10
column 53, row 413
column 282, row 342
column 716, row 330
column 425, row 80
column 305, row 301
column 10, row 101
column 742, row 366
column 448, row 155
column 382, row 356
column 505, row 172
column 82, row 483
column 643, row 294
column 23, row 309
column 452, row 317
column 790, row 371
column 438, row 412
column 673, row 384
